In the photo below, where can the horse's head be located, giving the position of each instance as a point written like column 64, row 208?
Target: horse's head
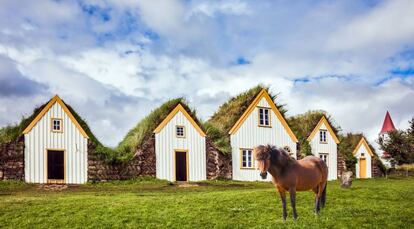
column 262, row 155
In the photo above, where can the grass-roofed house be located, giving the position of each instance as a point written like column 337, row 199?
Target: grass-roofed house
column 54, row 148
column 246, row 121
column 318, row 136
column 324, row 144
column 364, row 155
column 171, row 143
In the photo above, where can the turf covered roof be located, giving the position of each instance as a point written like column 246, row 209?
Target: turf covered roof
column 303, row 124
column 144, row 129
column 13, row 132
column 227, row 115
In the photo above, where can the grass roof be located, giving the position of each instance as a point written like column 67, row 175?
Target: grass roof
column 347, row 146
column 144, row 129
column 303, row 124
column 227, row 115
column 13, row 132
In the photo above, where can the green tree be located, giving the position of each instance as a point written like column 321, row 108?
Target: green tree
column 305, row 149
column 399, row 145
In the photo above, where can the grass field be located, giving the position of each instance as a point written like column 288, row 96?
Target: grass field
column 379, row 203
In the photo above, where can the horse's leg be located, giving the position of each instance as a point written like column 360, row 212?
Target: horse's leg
column 283, row 198
column 318, row 199
column 292, row 192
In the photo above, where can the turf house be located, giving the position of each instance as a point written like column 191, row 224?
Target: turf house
column 248, row 120
column 170, row 143
column 324, row 144
column 180, row 148
column 364, row 155
column 51, row 146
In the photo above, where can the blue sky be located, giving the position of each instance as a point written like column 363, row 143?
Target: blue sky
column 115, row 61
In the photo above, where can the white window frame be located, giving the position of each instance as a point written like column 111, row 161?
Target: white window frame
column 246, row 159
column 52, row 125
column 326, row 156
column 176, row 131
column 264, row 116
column 323, row 136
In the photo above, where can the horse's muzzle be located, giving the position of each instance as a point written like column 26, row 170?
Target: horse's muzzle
column 263, row 175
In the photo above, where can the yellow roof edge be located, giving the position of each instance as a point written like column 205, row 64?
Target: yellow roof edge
column 364, row 142
column 263, row 93
column 178, row 108
column 323, row 120
column 55, row 99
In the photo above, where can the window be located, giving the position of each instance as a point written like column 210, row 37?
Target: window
column 362, row 154
column 324, row 157
column 264, row 116
column 56, row 125
column 180, row 132
column 322, row 136
column 246, row 159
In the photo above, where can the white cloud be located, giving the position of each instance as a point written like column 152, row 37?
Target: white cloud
column 114, row 73
column 390, row 24
column 211, row 8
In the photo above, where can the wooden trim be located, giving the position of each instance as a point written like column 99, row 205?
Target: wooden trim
column 61, row 125
column 178, row 108
column 241, row 159
column 186, row 163
column 176, row 126
column 249, row 110
column 364, row 142
column 54, row 181
column 54, row 100
column 323, row 120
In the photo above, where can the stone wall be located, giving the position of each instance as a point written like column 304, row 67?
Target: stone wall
column 12, row 160
column 375, row 170
column 143, row 164
column 341, row 165
column 218, row 164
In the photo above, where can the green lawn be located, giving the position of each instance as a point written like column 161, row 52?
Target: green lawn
column 384, row 203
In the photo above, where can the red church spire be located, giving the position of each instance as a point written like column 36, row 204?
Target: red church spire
column 388, row 124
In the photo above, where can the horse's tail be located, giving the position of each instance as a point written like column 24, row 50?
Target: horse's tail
column 323, row 198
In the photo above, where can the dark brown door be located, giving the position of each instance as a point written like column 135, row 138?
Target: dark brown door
column 55, row 165
column 180, row 166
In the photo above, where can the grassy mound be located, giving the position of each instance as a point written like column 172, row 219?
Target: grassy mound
column 347, row 147
column 302, row 125
column 227, row 115
column 144, row 129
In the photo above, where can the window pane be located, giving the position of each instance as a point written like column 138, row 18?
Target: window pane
column 261, row 116
column 244, row 163
column 249, row 158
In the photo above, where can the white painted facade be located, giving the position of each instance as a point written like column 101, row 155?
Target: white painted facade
column 41, row 138
column 250, row 135
column 362, row 149
column 329, row 148
column 166, row 143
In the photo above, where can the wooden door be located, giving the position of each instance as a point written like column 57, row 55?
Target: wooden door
column 362, row 168
column 55, row 166
column 181, row 166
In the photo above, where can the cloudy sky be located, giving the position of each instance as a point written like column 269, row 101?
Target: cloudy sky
column 116, row 60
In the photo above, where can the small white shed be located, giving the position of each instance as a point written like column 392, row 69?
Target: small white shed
column 324, row 142
column 364, row 155
column 55, row 147
column 180, row 148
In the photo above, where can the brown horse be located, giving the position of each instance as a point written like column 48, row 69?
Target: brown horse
column 292, row 175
